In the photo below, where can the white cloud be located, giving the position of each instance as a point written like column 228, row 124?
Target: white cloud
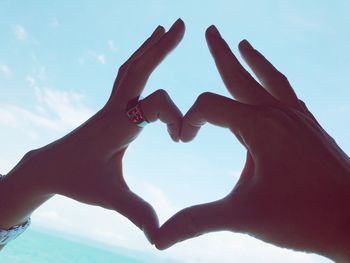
column 63, row 214
column 54, row 217
column 158, row 199
column 41, row 74
column 91, row 55
column 5, row 70
column 111, row 45
column 101, row 58
column 54, row 22
column 6, row 165
column 20, row 32
column 54, row 110
column 7, row 118
column 31, row 81
column 230, row 247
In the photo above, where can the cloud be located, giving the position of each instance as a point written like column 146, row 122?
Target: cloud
column 101, row 58
column 112, row 229
column 54, row 217
column 55, row 23
column 111, row 45
column 54, row 110
column 92, row 55
column 67, row 106
column 159, row 200
column 97, row 57
column 5, row 71
column 227, row 247
column 31, row 81
column 20, row 32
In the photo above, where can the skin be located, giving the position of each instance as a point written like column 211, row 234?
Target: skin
column 86, row 164
column 294, row 190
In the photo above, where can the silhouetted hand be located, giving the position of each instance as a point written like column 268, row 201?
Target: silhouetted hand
column 294, row 190
column 86, row 164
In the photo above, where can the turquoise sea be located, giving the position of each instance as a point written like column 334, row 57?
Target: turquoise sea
column 48, row 247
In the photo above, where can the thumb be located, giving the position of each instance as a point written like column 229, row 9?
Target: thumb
column 191, row 222
column 138, row 211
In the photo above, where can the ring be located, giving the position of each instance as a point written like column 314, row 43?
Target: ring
column 134, row 112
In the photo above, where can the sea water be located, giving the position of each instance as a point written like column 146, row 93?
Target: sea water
column 35, row 246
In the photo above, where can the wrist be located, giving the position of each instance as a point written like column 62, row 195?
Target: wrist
column 21, row 192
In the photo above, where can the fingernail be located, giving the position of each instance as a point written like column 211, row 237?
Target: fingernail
column 212, row 30
column 177, row 23
column 246, row 45
column 158, row 30
column 179, row 20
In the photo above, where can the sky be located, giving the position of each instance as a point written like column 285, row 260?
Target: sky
column 58, row 61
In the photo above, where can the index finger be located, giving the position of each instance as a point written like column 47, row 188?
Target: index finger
column 217, row 110
column 238, row 81
column 156, row 35
column 140, row 70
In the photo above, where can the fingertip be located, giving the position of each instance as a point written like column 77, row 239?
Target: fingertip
column 188, row 132
column 186, row 139
column 212, row 31
column 162, row 240
column 160, row 246
column 180, row 22
column 174, row 137
column 160, row 30
column 178, row 25
column 245, row 45
column 174, row 131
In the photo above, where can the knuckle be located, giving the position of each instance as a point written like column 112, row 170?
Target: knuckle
column 123, row 68
column 204, row 97
column 275, row 121
column 162, row 94
column 278, row 77
column 162, row 97
column 282, row 78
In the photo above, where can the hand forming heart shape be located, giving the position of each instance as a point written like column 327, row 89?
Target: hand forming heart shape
column 285, row 194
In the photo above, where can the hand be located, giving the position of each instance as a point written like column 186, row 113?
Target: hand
column 294, row 190
column 86, row 164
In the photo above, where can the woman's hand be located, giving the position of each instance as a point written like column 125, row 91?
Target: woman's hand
column 294, row 190
column 86, row 164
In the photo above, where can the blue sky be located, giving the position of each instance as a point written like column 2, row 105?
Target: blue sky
column 58, row 61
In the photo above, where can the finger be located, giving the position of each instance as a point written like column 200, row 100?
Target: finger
column 271, row 79
column 192, row 222
column 217, row 110
column 137, row 211
column 140, row 70
column 159, row 105
column 156, row 35
column 197, row 220
column 238, row 81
